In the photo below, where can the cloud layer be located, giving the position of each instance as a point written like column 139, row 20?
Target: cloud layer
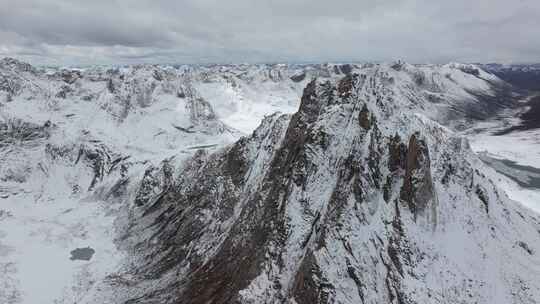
column 202, row 31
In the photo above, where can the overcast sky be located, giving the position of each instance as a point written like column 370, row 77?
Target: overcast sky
column 220, row 31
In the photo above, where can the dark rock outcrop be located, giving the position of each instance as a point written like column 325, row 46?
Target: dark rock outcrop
column 16, row 65
column 70, row 76
column 298, row 77
column 364, row 118
column 16, row 131
column 102, row 161
column 397, row 151
column 417, row 190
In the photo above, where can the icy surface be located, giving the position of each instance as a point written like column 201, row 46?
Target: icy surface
column 37, row 237
column 520, row 147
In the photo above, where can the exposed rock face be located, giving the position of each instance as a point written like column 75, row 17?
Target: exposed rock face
column 69, row 76
column 12, row 76
column 324, row 206
column 345, row 86
column 64, row 91
column 101, row 160
column 17, row 131
column 226, row 175
column 298, row 77
column 346, row 69
column 14, row 64
column 310, row 286
column 417, row 188
column 397, row 154
column 364, row 118
column 155, row 181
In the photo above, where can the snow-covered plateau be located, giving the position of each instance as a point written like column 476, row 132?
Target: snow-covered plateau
column 270, row 183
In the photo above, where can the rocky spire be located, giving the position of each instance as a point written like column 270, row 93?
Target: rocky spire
column 417, row 190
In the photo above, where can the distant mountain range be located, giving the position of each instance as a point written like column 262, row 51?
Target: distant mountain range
column 525, row 76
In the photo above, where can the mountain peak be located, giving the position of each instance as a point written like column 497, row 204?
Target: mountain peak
column 17, row 65
column 329, row 205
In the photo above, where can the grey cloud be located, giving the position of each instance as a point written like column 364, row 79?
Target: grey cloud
column 63, row 23
column 122, row 31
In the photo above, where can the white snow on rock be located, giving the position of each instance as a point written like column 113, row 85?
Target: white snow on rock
column 70, row 139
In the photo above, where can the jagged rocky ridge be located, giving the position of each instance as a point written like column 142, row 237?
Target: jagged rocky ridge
column 352, row 199
column 104, row 117
column 73, row 142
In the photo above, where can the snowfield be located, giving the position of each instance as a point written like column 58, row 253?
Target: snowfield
column 37, row 237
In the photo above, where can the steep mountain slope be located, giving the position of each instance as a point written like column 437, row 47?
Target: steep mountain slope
column 62, row 135
column 353, row 199
column 72, row 140
column 357, row 197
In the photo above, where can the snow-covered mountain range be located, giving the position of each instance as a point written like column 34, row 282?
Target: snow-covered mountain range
column 524, row 76
column 183, row 185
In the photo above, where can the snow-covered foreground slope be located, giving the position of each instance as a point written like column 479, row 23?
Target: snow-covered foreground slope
column 141, row 176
